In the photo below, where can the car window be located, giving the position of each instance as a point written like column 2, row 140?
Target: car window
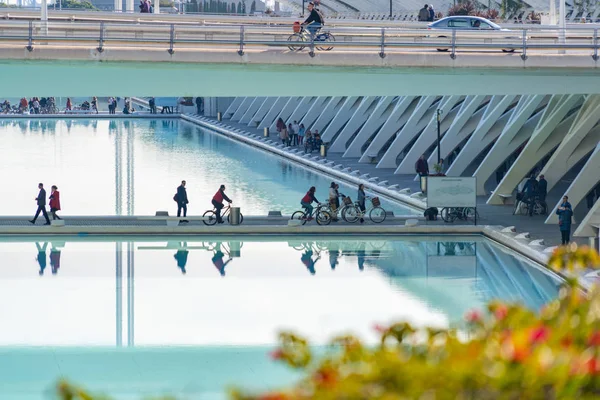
column 459, row 23
column 477, row 24
column 441, row 24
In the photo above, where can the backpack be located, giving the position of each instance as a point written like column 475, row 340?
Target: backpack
column 175, row 198
column 321, row 15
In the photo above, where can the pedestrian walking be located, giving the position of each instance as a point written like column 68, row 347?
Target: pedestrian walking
column 41, row 203
column 361, row 201
column 292, row 135
column 542, row 193
column 301, row 132
column 54, row 202
column 182, row 200
column 199, row 105
column 565, row 214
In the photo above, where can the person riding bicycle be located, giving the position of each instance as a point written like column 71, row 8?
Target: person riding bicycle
column 314, row 21
column 217, row 201
column 307, row 200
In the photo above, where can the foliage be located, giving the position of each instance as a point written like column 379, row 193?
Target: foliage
column 511, row 7
column 438, row 168
column 510, row 353
column 466, row 7
column 166, row 3
column 76, row 4
column 4, row 5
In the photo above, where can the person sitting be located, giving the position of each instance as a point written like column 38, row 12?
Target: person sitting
column 307, row 201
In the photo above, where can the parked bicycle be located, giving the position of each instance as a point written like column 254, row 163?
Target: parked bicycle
column 210, row 216
column 319, row 213
column 451, row 214
column 299, row 40
column 522, row 206
column 376, row 213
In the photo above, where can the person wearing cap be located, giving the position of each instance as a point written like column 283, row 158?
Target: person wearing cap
column 314, row 21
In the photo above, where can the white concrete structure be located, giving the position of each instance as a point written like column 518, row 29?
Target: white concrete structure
column 498, row 139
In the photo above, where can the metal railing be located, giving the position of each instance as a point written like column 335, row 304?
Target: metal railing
column 170, row 37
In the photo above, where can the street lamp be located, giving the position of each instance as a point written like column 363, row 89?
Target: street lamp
column 302, row 14
column 390, row 10
column 439, row 114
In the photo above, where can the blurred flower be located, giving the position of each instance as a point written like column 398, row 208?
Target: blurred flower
column 539, row 334
column 500, row 312
column 276, row 354
column 473, row 316
column 594, row 339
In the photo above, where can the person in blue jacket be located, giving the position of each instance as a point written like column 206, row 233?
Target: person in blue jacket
column 565, row 213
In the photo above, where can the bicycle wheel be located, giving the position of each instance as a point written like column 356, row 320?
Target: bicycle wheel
column 299, row 215
column 328, row 38
column 537, row 208
column 351, row 214
column 377, row 215
column 323, row 217
column 469, row 213
column 296, row 42
column 210, row 218
column 448, row 214
column 229, row 218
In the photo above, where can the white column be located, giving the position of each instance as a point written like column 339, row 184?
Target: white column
column 44, row 17
column 562, row 25
column 118, row 5
column 129, row 5
column 552, row 12
column 156, row 6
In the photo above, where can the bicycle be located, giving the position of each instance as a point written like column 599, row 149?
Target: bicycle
column 450, row 214
column 304, row 36
column 322, row 216
column 376, row 213
column 522, row 206
column 210, row 216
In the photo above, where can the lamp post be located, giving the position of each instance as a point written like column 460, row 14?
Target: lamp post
column 562, row 24
column 302, row 14
column 391, row 10
column 439, row 114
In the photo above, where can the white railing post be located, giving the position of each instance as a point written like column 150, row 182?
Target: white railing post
column 156, row 6
column 44, row 17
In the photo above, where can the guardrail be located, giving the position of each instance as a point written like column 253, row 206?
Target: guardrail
column 241, row 37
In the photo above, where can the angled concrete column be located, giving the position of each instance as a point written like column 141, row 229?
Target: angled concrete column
column 517, row 130
column 415, row 124
column 273, row 112
column 429, row 134
column 251, row 111
column 241, row 110
column 340, row 119
column 585, row 228
column 463, row 125
column 286, row 111
column 586, row 179
column 302, row 108
column 543, row 139
column 336, row 106
column 375, row 121
column 483, row 134
column 354, row 123
column 403, row 108
column 233, row 107
column 570, row 151
column 318, row 108
column 262, row 111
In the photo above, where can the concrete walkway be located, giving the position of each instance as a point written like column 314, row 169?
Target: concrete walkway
column 489, row 214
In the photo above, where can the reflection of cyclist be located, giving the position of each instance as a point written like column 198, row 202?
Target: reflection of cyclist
column 314, row 21
column 181, row 256
column 308, row 261
column 218, row 260
column 360, row 253
column 307, row 200
column 217, row 201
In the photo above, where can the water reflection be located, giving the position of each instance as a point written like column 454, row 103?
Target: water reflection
column 415, row 279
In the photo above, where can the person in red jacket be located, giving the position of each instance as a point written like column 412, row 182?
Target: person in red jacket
column 217, row 201
column 54, row 202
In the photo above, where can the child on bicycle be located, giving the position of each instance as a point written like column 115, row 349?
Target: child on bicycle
column 307, row 200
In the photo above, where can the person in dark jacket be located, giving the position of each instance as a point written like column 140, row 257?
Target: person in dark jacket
column 361, row 197
column 421, row 166
column 542, row 192
column 41, row 203
column 152, row 104
column 182, row 200
column 431, row 13
column 530, row 191
column 565, row 213
column 424, row 13
column 217, row 202
column 199, row 105
column 314, row 21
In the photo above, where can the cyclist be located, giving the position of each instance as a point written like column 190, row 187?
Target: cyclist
column 307, row 200
column 314, row 21
column 217, row 201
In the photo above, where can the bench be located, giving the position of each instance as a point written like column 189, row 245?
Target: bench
column 170, row 220
column 506, row 198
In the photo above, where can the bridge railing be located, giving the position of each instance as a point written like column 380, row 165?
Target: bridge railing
column 244, row 37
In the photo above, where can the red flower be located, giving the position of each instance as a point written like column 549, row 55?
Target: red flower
column 593, row 366
column 594, row 339
column 276, row 354
column 501, row 312
column 539, row 334
column 326, row 377
column 567, row 341
column 473, row 316
column 274, row 396
column 380, row 328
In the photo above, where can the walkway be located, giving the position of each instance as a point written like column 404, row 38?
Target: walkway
column 490, row 215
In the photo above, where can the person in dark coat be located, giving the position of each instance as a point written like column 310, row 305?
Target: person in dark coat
column 182, row 200
column 530, row 191
column 41, row 203
column 542, row 192
column 424, row 13
column 565, row 214
column 41, row 257
column 421, row 166
column 199, row 105
column 182, row 256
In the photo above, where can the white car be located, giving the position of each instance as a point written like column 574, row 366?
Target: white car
column 471, row 24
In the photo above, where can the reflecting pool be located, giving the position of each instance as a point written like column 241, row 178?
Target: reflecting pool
column 127, row 167
column 188, row 316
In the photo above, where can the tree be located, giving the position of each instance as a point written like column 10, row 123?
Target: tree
column 253, row 7
column 77, row 4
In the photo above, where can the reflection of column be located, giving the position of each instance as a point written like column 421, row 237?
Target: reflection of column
column 118, row 175
column 119, row 289
column 130, row 295
column 130, row 176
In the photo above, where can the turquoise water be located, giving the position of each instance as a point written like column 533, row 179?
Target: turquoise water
column 190, row 316
column 126, row 167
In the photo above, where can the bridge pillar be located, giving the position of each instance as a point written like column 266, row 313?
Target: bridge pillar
column 118, row 5
column 129, row 5
column 156, row 6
